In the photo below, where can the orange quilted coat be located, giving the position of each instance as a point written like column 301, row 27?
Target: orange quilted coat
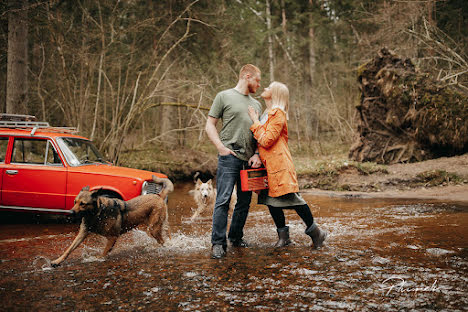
column 272, row 139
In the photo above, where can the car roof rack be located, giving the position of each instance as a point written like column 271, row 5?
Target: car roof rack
column 26, row 122
column 23, row 124
column 17, row 117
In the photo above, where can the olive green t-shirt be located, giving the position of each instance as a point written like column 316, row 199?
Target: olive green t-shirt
column 231, row 107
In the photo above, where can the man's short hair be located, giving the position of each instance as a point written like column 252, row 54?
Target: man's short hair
column 249, row 69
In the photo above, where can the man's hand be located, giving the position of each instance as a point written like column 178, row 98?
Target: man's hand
column 223, row 151
column 255, row 161
column 210, row 129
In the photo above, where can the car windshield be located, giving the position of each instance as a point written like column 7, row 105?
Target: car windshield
column 79, row 151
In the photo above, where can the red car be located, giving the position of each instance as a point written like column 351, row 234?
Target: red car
column 43, row 169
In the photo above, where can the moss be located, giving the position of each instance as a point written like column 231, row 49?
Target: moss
column 438, row 177
column 367, row 168
column 361, row 69
column 344, row 187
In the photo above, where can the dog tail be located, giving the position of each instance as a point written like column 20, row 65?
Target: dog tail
column 195, row 176
column 167, row 188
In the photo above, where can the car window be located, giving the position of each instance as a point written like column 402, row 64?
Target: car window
column 52, row 156
column 79, row 152
column 3, row 148
column 34, row 151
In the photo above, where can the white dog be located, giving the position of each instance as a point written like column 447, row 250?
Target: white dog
column 204, row 195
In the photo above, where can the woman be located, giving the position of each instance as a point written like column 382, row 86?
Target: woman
column 271, row 133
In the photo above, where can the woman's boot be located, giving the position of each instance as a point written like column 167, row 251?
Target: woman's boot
column 283, row 237
column 317, row 235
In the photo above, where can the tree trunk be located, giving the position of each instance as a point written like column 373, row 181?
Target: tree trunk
column 17, row 68
column 312, row 57
column 168, row 121
column 430, row 19
column 430, row 12
column 284, row 26
column 270, row 41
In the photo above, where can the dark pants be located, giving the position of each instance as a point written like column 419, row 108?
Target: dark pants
column 228, row 175
column 303, row 211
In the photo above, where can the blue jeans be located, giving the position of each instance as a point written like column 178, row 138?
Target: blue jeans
column 228, row 175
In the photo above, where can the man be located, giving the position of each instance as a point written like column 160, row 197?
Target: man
column 237, row 149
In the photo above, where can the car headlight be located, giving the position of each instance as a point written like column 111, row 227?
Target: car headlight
column 145, row 188
column 150, row 187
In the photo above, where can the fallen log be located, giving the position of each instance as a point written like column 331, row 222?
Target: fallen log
column 405, row 115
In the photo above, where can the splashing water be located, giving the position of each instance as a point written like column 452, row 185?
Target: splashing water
column 42, row 263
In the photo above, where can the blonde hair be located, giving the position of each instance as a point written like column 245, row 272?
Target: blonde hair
column 249, row 69
column 280, row 96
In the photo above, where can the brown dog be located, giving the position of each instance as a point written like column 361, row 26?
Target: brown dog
column 112, row 217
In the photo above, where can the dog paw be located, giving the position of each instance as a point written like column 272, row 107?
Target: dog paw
column 54, row 264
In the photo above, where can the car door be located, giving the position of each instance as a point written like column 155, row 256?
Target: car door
column 35, row 177
column 3, row 154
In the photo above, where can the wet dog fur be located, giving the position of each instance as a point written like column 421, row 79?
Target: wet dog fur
column 204, row 195
column 111, row 217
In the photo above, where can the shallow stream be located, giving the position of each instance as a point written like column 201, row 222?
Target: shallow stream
column 381, row 255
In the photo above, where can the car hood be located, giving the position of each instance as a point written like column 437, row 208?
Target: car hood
column 110, row 170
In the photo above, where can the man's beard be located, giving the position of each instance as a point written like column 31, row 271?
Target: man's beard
column 251, row 89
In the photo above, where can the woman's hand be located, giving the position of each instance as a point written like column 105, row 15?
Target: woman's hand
column 253, row 114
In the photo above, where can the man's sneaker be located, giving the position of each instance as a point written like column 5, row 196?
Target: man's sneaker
column 218, row 252
column 240, row 243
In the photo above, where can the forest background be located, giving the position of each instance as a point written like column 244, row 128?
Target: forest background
column 138, row 77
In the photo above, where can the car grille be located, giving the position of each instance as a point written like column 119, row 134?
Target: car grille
column 154, row 188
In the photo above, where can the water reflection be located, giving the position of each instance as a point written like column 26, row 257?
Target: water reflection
column 380, row 255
